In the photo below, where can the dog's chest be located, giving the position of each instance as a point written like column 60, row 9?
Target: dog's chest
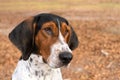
column 35, row 69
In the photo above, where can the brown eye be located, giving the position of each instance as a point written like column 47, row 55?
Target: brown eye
column 48, row 30
column 66, row 32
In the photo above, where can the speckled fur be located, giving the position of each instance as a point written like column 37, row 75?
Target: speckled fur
column 35, row 69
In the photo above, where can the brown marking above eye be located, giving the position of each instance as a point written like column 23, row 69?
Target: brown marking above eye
column 50, row 29
column 66, row 31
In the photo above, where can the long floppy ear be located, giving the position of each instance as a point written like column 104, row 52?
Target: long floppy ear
column 73, row 42
column 22, row 36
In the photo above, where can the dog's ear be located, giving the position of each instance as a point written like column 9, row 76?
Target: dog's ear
column 23, row 37
column 73, row 42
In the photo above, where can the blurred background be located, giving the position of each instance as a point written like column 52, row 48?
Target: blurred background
column 96, row 22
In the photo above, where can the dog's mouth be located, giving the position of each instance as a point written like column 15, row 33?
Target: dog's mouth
column 57, row 65
column 63, row 59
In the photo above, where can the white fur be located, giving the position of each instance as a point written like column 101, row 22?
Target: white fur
column 26, row 70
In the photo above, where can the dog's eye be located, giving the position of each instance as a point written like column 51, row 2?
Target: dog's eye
column 48, row 30
column 66, row 32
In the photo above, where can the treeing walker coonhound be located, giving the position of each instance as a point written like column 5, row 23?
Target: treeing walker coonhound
column 46, row 42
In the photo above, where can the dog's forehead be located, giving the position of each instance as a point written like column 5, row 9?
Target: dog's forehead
column 43, row 18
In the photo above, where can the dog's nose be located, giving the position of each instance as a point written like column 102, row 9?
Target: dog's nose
column 65, row 57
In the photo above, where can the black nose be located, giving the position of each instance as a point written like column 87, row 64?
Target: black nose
column 65, row 57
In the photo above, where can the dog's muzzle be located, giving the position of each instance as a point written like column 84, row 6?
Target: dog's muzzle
column 65, row 57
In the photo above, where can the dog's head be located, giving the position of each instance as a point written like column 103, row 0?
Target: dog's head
column 48, row 35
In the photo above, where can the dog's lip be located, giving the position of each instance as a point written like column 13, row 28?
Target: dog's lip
column 55, row 66
column 59, row 65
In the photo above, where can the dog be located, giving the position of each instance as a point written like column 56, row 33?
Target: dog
column 46, row 42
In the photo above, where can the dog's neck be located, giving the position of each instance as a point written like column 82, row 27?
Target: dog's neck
column 35, row 69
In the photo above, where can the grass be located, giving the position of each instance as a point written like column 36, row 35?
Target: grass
column 56, row 5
